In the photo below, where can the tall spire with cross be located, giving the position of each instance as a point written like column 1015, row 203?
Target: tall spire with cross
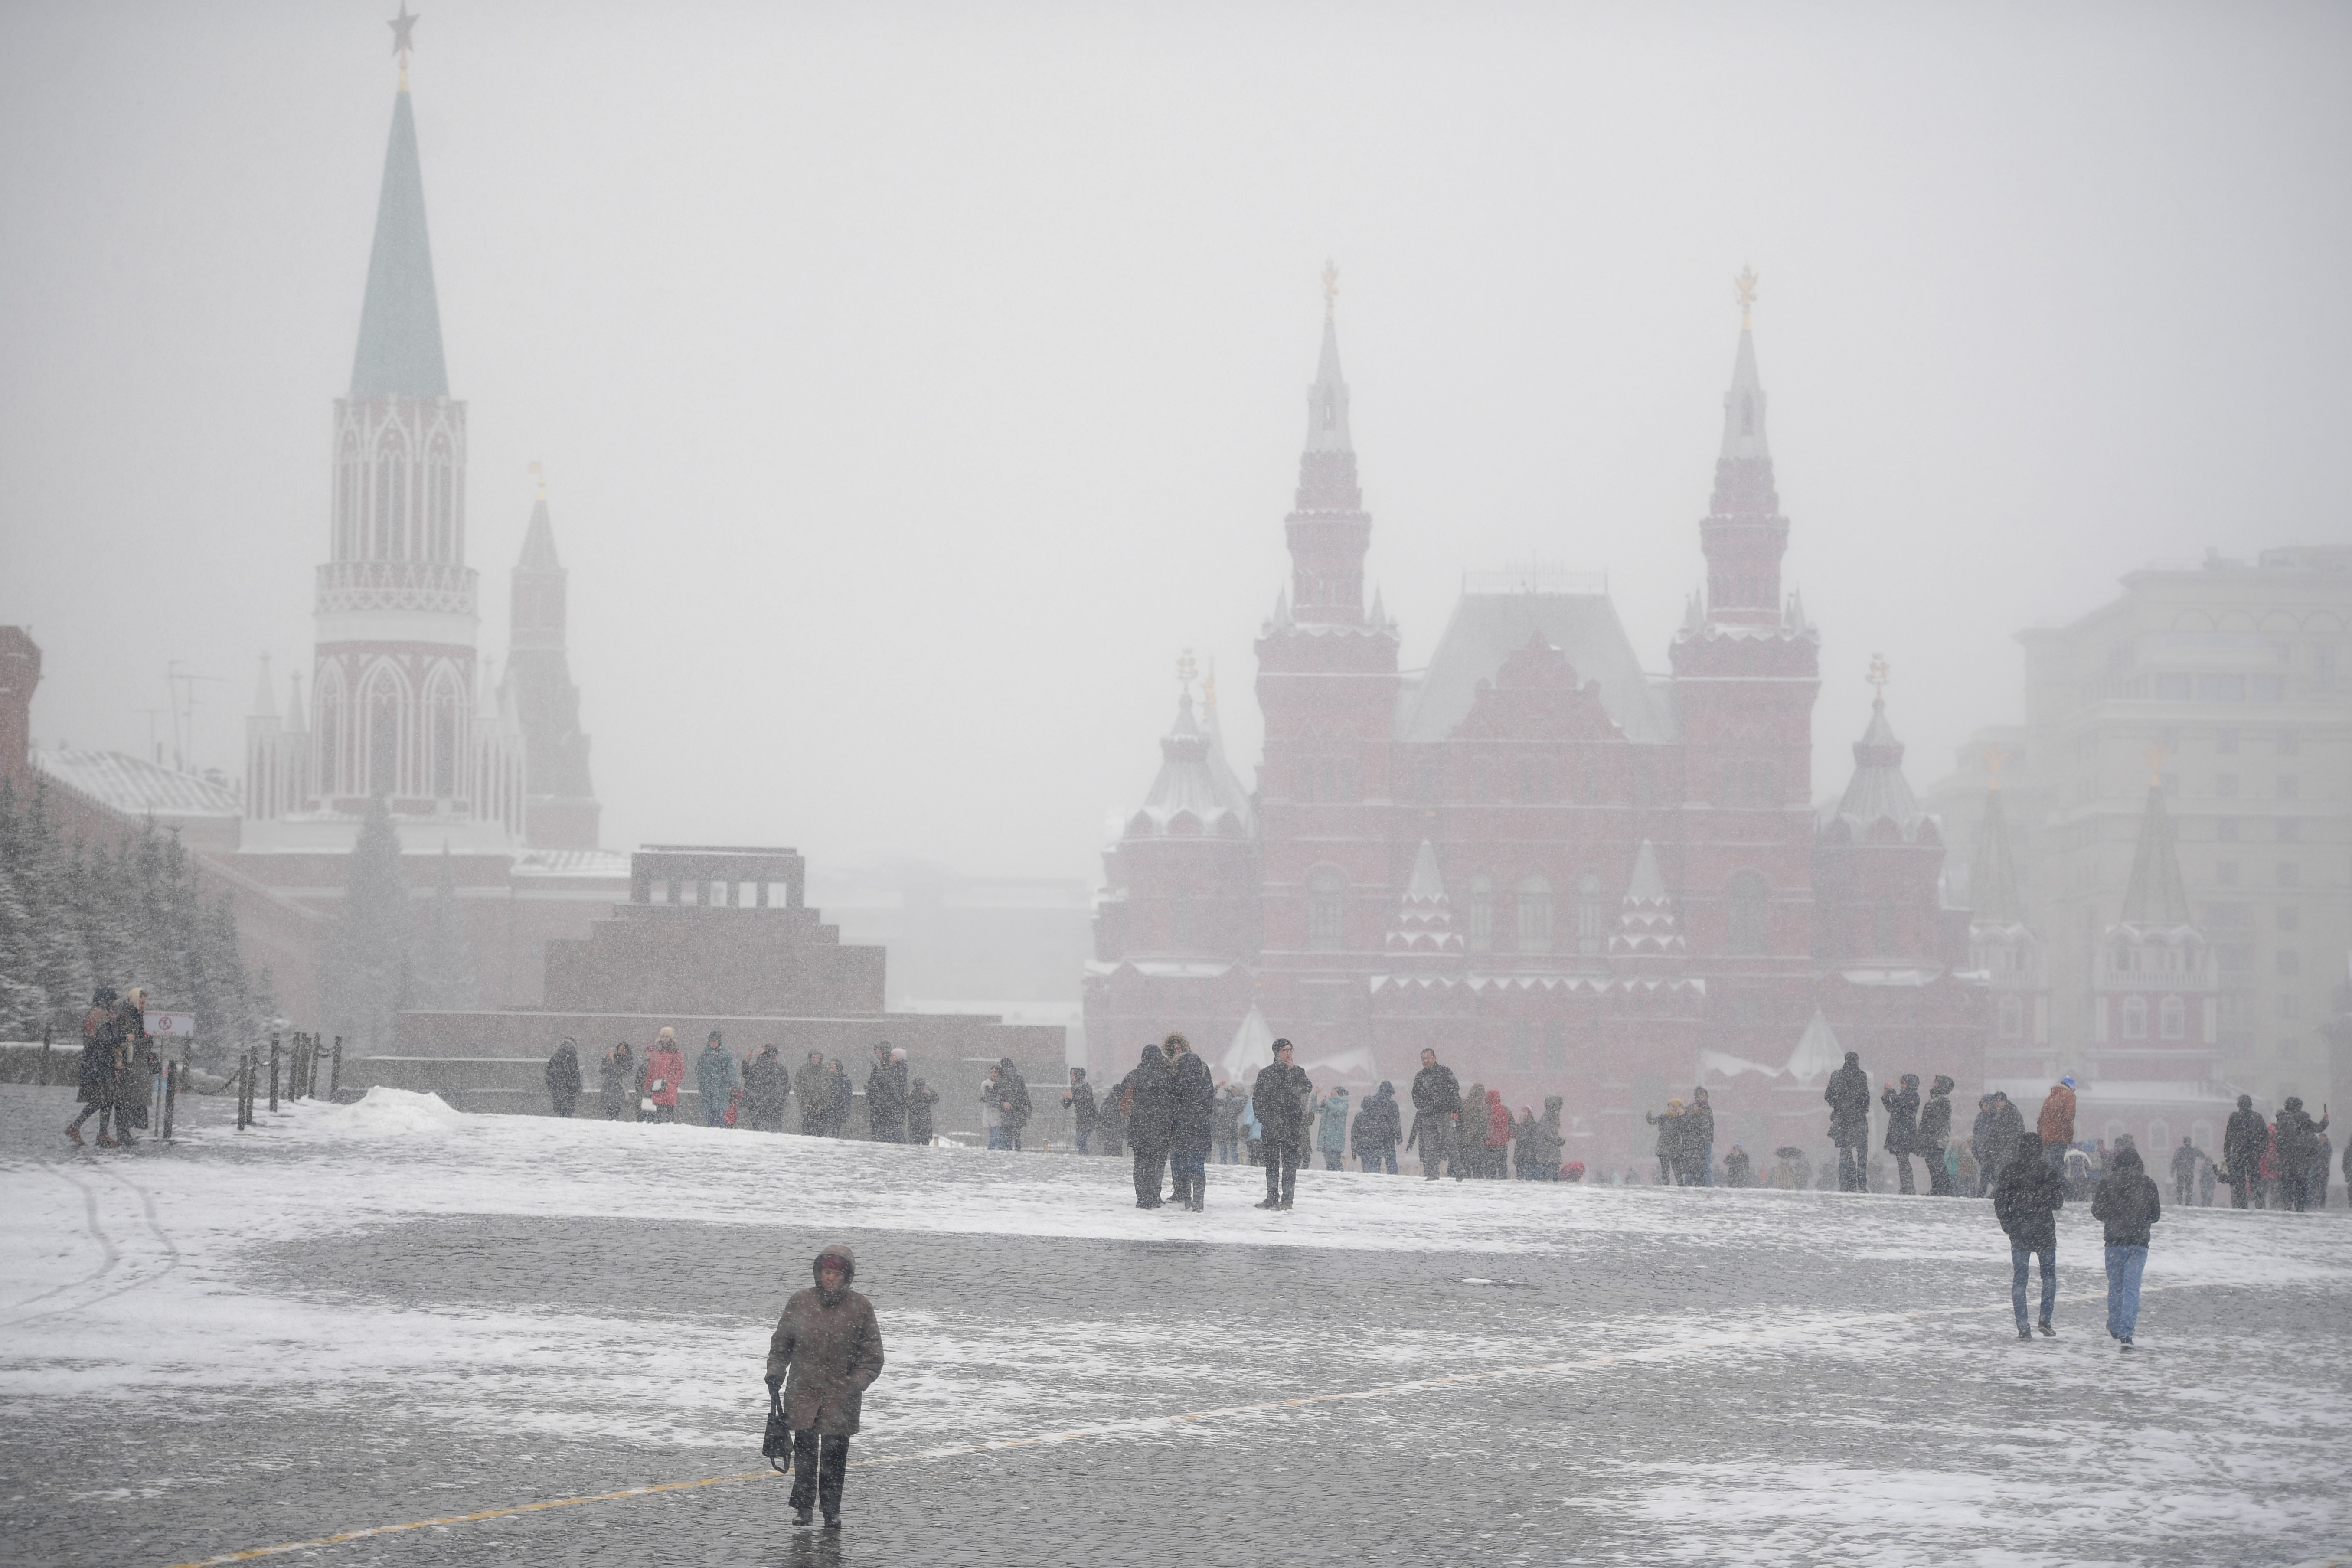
column 1743, row 534
column 400, row 316
column 1328, row 530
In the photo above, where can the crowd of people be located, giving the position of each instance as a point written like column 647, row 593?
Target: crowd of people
column 753, row 1092
column 119, row 1067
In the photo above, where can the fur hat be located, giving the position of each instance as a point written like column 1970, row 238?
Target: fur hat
column 836, row 1254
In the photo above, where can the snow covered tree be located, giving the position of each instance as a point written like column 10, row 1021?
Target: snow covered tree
column 367, row 956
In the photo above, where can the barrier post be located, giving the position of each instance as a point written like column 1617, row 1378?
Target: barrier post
column 273, row 1075
column 171, row 1094
column 335, row 1070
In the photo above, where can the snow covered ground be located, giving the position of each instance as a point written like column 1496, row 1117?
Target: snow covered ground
column 370, row 1314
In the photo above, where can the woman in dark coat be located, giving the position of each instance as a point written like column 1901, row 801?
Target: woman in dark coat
column 825, row 1354
column 564, row 1076
column 101, row 1065
column 1147, row 1098
column 618, row 1085
column 1191, row 1108
column 2026, row 1200
column 1934, row 1132
column 921, row 1098
column 767, row 1088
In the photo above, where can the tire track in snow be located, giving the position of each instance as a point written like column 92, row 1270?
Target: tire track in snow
column 109, row 1256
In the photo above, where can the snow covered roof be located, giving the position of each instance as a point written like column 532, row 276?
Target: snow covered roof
column 1187, row 799
column 138, row 788
column 1878, row 791
column 1488, row 628
column 572, row 863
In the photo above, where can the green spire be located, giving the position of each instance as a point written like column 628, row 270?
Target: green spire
column 400, row 320
column 2155, row 896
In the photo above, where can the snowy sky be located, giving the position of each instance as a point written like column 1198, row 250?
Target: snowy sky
column 915, row 382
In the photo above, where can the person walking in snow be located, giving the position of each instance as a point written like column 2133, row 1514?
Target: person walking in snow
column 2055, row 1125
column 1191, row 1110
column 1078, row 1099
column 665, row 1074
column 921, row 1098
column 886, row 1097
column 2242, row 1140
column 101, row 1065
column 564, row 1076
column 2184, row 1171
column 716, row 1080
column 1436, row 1099
column 1378, row 1129
column 1901, row 1126
column 2026, row 1202
column 1146, row 1107
column 1331, row 1129
column 2127, row 1204
column 617, row 1083
column 825, row 1354
column 1848, row 1097
column 1933, row 1133
column 1279, row 1098
column 767, row 1087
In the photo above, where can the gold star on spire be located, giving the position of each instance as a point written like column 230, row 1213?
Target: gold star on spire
column 1745, row 285
column 402, row 26
column 1994, row 758
column 539, row 473
column 1330, row 287
column 1877, row 676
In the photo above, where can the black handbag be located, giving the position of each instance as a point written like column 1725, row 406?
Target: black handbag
column 776, row 1447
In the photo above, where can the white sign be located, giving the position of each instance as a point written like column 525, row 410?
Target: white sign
column 179, row 1024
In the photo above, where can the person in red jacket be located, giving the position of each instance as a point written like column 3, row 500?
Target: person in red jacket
column 664, row 1071
column 2056, row 1123
column 1498, row 1136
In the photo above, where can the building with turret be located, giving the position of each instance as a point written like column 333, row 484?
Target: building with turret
column 1565, row 873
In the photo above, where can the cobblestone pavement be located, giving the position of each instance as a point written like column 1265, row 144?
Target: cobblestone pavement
column 244, row 1341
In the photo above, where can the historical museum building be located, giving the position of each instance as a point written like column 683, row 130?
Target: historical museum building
column 1567, row 874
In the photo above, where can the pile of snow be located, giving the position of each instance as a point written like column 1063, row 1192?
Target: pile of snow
column 390, row 1113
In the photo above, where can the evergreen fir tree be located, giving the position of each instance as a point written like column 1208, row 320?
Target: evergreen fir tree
column 367, row 972
column 444, row 963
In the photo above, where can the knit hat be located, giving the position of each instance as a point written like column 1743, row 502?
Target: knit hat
column 2068, row 1081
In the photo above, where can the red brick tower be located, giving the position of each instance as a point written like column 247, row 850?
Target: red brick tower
column 1747, row 667
column 1326, row 684
column 561, row 810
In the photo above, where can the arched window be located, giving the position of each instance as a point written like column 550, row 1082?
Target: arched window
column 2013, row 1018
column 348, row 482
column 446, row 729
column 2172, row 1018
column 384, row 736
column 1327, row 895
column 1480, row 914
column 1749, row 895
column 2135, row 1018
column 1589, row 932
column 1535, row 915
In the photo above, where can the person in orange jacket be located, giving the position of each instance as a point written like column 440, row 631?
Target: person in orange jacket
column 2056, row 1122
column 664, row 1071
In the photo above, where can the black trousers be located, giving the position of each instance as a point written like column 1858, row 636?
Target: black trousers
column 1853, row 1168
column 1281, row 1166
column 818, row 1467
column 1150, row 1163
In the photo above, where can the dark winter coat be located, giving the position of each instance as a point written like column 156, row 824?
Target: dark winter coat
column 2243, row 1140
column 1436, row 1099
column 1379, row 1128
column 921, row 1098
column 1275, row 1097
column 1225, row 1119
column 1011, row 1095
column 1191, row 1104
column 1848, row 1096
column 2026, row 1200
column 1549, row 1144
column 1982, row 1130
column 1736, row 1169
column 1698, row 1129
column 1081, row 1101
column 1903, row 1118
column 814, row 1086
column 1669, row 1124
column 840, row 1095
column 2298, row 1136
column 2008, row 1126
column 766, row 1087
column 1935, row 1124
column 886, row 1101
column 1147, row 1092
column 828, row 1352
column 2126, row 1201
column 564, row 1078
column 618, row 1080
column 101, row 1061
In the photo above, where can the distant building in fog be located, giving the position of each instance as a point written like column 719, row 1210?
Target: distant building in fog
column 1565, row 873
column 2230, row 680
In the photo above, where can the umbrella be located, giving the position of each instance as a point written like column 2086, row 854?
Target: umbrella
column 1788, row 1151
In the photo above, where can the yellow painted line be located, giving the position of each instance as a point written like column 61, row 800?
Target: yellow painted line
column 1118, row 1428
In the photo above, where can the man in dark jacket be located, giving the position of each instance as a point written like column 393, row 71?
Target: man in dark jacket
column 1279, row 1099
column 1436, row 1100
column 2026, row 1202
column 825, row 1354
column 1933, row 1132
column 564, row 1076
column 886, row 1097
column 1011, row 1094
column 1699, row 1139
column 843, row 1099
column 766, row 1087
column 1378, row 1129
column 921, row 1098
column 2184, row 1171
column 1192, row 1109
column 2127, row 1204
column 1078, row 1099
column 2298, row 1150
column 1980, row 1144
column 1848, row 1095
column 1144, row 1094
column 1903, row 1126
column 2243, row 1141
column 2008, row 1127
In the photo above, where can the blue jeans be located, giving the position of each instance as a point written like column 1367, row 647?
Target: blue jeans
column 1381, row 1160
column 1082, row 1135
column 1229, row 1152
column 998, row 1139
column 714, row 1112
column 1188, row 1167
column 2124, row 1266
column 2021, row 1258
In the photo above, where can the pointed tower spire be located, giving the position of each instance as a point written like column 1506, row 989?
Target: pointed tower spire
column 1743, row 534
column 1425, row 919
column 295, row 723
column 1329, row 531
column 400, row 317
column 2155, row 895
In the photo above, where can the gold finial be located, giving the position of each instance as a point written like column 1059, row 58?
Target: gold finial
column 541, row 475
column 2155, row 754
column 1877, row 676
column 1994, row 757
column 402, row 26
column 1185, row 670
column 1745, row 284
column 1330, row 287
